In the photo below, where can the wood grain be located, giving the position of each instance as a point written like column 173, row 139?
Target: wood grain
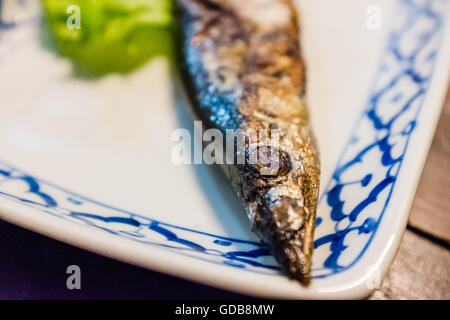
column 431, row 208
column 421, row 270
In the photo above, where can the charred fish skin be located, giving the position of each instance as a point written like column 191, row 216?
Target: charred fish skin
column 242, row 66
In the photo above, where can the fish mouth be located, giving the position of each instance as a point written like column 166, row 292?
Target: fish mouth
column 287, row 226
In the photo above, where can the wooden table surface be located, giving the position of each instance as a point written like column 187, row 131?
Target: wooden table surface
column 421, row 269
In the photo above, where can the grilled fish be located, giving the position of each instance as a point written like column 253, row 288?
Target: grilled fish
column 243, row 70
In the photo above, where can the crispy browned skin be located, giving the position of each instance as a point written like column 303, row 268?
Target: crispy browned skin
column 243, row 69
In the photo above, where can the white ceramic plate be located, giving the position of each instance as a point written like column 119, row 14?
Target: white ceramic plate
column 88, row 162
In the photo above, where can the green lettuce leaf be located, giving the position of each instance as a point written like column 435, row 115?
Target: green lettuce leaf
column 113, row 35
